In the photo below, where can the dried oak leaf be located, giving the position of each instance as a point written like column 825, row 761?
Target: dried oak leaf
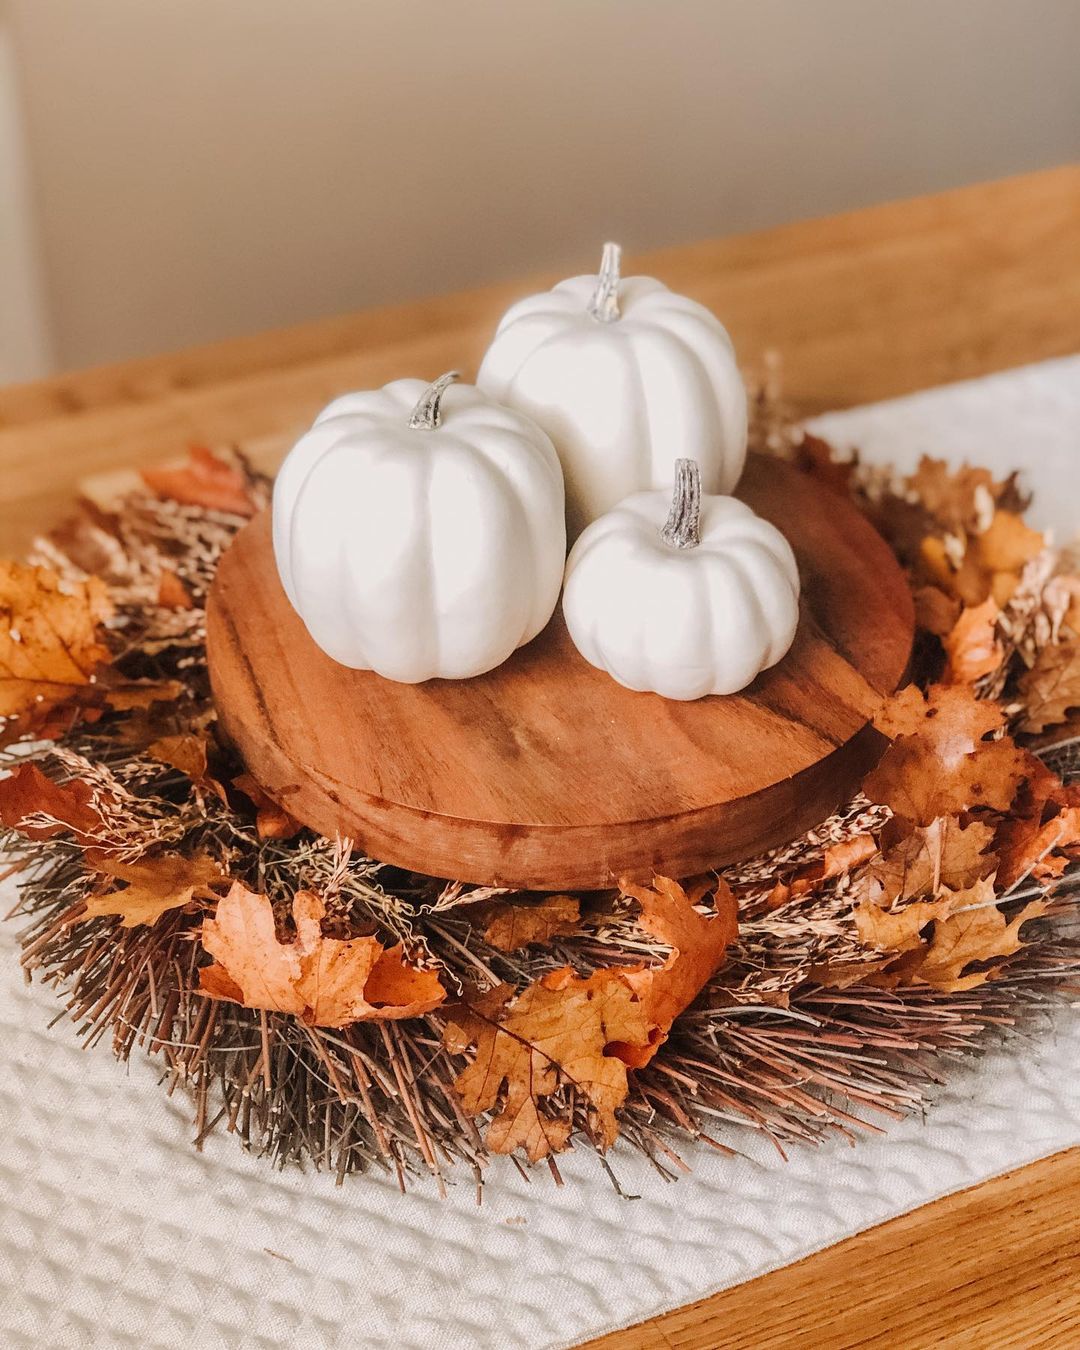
column 205, row 480
column 128, row 695
column 972, row 648
column 957, row 498
column 272, row 821
column 1051, row 688
column 698, row 946
column 556, row 1033
column 937, row 940
column 50, row 642
column 938, row 763
column 326, row 982
column 27, row 792
column 837, row 861
column 972, row 935
column 510, row 927
column 153, row 886
column 565, row 1031
column 941, row 854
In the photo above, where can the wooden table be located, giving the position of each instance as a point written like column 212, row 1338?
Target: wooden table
column 861, row 306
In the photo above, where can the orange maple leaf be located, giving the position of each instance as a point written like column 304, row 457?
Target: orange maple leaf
column 27, row 793
column 936, row 941
column 324, row 981
column 153, row 886
column 205, row 480
column 50, row 644
column 939, row 763
column 510, row 927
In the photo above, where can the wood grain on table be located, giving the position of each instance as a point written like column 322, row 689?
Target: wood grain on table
column 861, row 307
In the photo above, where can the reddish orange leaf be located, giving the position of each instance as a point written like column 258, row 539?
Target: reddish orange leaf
column 172, row 592
column 324, row 981
column 698, row 948
column 272, row 821
column 205, row 480
column 837, row 860
column 27, row 792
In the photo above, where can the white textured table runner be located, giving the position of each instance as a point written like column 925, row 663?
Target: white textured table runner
column 114, row 1232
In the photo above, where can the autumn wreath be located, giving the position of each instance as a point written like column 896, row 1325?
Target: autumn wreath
column 324, row 1006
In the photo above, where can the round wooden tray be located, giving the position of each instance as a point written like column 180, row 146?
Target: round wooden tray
column 546, row 774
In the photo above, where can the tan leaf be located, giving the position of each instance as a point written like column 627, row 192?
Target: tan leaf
column 272, row 821
column 1051, row 687
column 154, row 885
column 972, row 649
column 50, row 643
column 969, row 936
column 511, row 927
column 324, row 981
column 124, row 696
column 898, row 930
column 698, row 948
column 939, row 764
column 28, row 792
column 188, row 752
column 205, row 480
column 952, row 495
column 837, row 861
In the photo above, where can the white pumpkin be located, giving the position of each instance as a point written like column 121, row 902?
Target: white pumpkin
column 418, row 530
column 692, row 601
column 616, row 372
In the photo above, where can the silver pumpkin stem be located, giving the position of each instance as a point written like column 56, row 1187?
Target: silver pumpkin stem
column 683, row 526
column 604, row 306
column 427, row 414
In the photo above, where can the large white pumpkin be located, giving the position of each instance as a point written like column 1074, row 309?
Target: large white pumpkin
column 686, row 601
column 418, row 530
column 617, row 371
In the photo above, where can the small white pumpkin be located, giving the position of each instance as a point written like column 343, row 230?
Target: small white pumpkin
column 697, row 603
column 617, row 371
column 418, row 530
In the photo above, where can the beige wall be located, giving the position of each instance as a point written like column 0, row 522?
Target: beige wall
column 209, row 167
